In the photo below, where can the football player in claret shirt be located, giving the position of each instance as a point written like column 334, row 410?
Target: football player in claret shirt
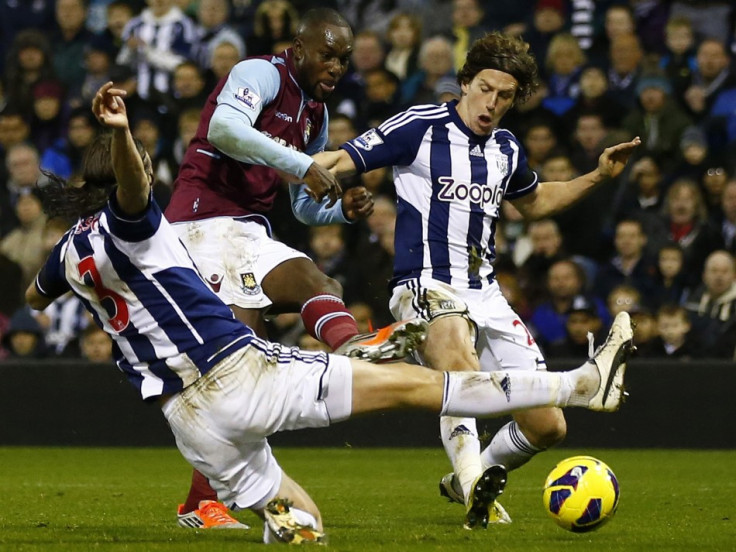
column 259, row 126
column 453, row 166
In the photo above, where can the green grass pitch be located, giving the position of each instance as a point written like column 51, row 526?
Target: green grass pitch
column 371, row 499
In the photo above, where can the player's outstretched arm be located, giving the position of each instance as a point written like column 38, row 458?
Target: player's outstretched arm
column 133, row 182
column 552, row 197
column 337, row 162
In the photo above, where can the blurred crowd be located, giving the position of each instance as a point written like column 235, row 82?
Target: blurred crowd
column 658, row 242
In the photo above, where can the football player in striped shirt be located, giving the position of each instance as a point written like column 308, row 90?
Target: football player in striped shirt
column 223, row 390
column 453, row 165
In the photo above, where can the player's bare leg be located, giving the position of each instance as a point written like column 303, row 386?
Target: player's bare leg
column 291, row 516
column 450, row 346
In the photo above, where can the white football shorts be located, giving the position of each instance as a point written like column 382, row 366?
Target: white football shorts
column 222, row 420
column 503, row 342
column 234, row 255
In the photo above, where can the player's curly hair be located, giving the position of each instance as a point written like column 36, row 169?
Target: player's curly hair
column 70, row 200
column 503, row 53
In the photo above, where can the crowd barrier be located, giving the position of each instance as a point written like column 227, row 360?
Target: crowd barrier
column 63, row 403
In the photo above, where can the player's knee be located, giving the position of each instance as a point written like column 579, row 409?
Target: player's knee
column 547, row 432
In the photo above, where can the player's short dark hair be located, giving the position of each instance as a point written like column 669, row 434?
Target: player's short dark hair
column 319, row 17
column 503, row 53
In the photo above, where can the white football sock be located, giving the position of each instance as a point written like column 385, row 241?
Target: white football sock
column 460, row 439
column 509, row 447
column 484, row 395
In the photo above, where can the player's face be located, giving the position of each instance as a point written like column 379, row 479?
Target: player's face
column 322, row 59
column 486, row 99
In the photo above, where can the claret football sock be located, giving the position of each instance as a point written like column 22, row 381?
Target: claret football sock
column 326, row 318
column 199, row 490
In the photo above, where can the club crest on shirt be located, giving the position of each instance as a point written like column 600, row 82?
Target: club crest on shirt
column 307, row 131
column 368, row 139
column 248, row 98
column 502, row 162
column 249, row 284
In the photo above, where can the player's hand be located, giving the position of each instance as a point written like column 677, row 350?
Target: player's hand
column 320, row 183
column 613, row 160
column 109, row 107
column 357, row 203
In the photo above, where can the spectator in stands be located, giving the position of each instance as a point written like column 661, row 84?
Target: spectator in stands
column 467, row 26
column 685, row 221
column 595, row 98
column 404, row 37
column 546, row 249
column 594, row 210
column 48, row 123
column 99, row 56
column 308, row 343
column 547, row 21
column 17, row 16
column 564, row 64
column 508, row 284
column 435, row 62
column 69, row 41
column 24, row 339
column 381, row 97
column 117, row 13
column 670, row 281
column 214, row 29
column 645, row 330
column 24, row 171
column 713, row 181
column 327, row 250
column 341, row 128
column 28, row 62
column 623, row 298
column 363, row 314
column 712, row 305
column 565, row 281
column 64, row 157
column 146, row 127
column 712, row 76
column 657, row 119
column 186, row 129
column 540, row 142
column 709, row 19
column 675, row 340
column 368, row 54
column 224, row 57
column 617, row 20
column 155, row 42
column 274, row 27
column 625, row 67
column 95, row 345
column 678, row 62
column 694, row 156
column 726, row 225
column 582, row 318
column 629, row 263
column 644, row 195
column 24, row 244
column 187, row 92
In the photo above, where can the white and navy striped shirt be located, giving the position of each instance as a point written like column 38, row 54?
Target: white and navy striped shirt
column 140, row 285
column 167, row 41
column 449, row 183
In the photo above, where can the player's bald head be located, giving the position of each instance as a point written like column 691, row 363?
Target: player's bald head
column 318, row 18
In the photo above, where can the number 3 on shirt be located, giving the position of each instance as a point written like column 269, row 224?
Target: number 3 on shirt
column 119, row 320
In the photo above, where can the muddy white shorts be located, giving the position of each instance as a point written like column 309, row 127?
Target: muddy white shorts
column 234, row 255
column 221, row 421
column 503, row 342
